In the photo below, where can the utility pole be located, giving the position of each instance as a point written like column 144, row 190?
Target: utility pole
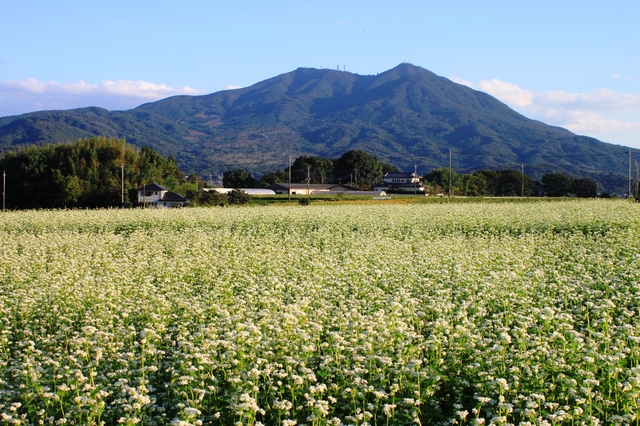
column 308, row 180
column 122, row 177
column 289, row 178
column 449, row 172
column 522, row 182
column 415, row 172
column 635, row 187
column 637, row 181
column 629, row 175
column 4, row 177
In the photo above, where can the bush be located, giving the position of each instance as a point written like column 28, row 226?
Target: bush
column 304, row 201
column 204, row 198
column 238, row 196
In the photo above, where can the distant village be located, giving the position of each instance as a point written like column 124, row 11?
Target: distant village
column 154, row 195
column 105, row 172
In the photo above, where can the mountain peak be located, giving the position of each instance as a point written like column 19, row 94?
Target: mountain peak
column 405, row 116
column 407, row 69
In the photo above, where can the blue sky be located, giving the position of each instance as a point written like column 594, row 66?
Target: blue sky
column 574, row 64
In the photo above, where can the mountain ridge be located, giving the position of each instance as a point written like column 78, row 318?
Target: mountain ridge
column 405, row 116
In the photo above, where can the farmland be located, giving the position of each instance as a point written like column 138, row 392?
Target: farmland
column 465, row 313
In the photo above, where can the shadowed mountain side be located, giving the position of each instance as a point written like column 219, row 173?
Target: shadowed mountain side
column 404, row 116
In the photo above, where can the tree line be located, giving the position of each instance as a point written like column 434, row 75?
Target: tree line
column 87, row 173
column 355, row 167
column 365, row 170
column 507, row 183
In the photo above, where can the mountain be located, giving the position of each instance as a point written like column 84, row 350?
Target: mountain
column 405, row 116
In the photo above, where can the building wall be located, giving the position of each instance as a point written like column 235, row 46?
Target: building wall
column 149, row 198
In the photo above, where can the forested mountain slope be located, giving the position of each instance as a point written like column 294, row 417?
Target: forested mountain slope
column 405, row 116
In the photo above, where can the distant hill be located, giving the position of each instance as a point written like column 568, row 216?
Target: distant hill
column 405, row 116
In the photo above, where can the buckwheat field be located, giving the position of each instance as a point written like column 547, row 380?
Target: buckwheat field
column 474, row 313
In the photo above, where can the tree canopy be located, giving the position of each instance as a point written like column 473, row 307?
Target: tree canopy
column 357, row 167
column 238, row 178
column 507, row 183
column 87, row 173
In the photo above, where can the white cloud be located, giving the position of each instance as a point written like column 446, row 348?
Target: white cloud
column 232, row 87
column 601, row 113
column 508, row 93
column 143, row 89
column 620, row 77
column 461, row 81
column 30, row 85
column 20, row 96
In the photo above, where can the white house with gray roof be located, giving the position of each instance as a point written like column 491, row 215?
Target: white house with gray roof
column 154, row 195
column 400, row 182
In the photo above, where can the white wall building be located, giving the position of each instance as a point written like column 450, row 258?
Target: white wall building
column 154, row 195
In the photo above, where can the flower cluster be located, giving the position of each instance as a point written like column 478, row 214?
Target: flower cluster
column 473, row 313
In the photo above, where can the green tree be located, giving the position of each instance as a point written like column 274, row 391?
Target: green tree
column 484, row 183
column 319, row 169
column 556, row 185
column 238, row 197
column 206, row 198
column 72, row 191
column 359, row 167
column 512, row 183
column 271, row 177
column 238, row 178
column 437, row 181
column 87, row 173
column 584, row 188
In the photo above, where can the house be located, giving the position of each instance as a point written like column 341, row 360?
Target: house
column 154, row 195
column 310, row 188
column 400, row 182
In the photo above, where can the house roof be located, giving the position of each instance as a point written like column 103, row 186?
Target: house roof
column 250, row 191
column 172, row 196
column 152, row 187
column 326, row 186
column 400, row 175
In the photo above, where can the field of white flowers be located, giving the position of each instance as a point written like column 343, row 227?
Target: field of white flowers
column 323, row 315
